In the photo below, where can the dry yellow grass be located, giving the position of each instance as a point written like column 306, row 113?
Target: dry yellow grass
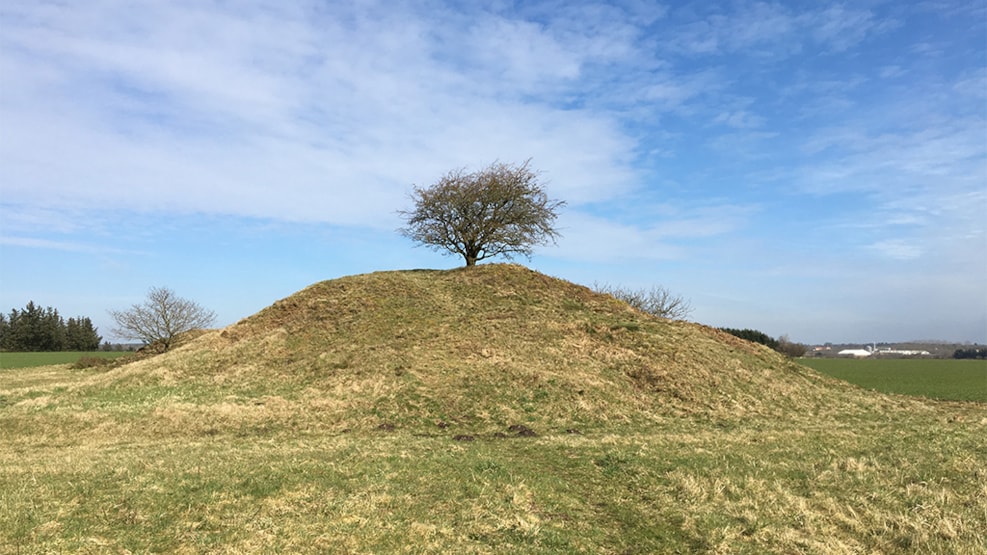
column 386, row 413
column 427, row 344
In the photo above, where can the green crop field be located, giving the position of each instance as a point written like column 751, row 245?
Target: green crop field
column 946, row 379
column 26, row 360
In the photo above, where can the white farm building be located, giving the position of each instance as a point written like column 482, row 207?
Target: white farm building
column 871, row 351
column 856, row 353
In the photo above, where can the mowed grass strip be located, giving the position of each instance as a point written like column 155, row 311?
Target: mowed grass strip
column 27, row 360
column 944, row 379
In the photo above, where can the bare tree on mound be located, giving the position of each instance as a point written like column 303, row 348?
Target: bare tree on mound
column 162, row 317
column 657, row 301
column 500, row 210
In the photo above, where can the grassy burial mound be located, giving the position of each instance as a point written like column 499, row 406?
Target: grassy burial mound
column 482, row 410
column 477, row 350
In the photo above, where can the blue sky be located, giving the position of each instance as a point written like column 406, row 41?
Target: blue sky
column 804, row 168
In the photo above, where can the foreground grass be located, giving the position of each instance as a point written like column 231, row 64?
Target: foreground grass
column 947, row 379
column 88, row 470
column 26, row 360
column 487, row 410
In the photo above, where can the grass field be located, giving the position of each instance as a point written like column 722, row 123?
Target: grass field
column 483, row 411
column 26, row 360
column 93, row 465
column 946, row 379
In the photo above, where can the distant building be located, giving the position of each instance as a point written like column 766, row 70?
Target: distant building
column 902, row 352
column 871, row 351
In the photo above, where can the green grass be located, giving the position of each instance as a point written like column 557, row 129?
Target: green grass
column 89, row 470
column 945, row 379
column 26, row 360
column 384, row 414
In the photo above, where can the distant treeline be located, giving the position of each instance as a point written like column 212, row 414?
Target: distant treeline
column 782, row 344
column 753, row 336
column 43, row 329
column 971, row 353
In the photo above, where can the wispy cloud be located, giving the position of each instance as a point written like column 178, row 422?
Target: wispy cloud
column 656, row 232
column 898, row 249
column 67, row 246
column 740, row 119
column 735, row 133
column 774, row 30
column 290, row 112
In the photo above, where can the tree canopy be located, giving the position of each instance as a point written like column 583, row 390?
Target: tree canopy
column 501, row 210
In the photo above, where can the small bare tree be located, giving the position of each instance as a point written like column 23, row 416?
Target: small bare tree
column 162, row 317
column 790, row 348
column 657, row 300
column 500, row 210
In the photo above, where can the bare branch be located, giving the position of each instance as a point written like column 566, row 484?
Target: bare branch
column 161, row 318
column 657, row 300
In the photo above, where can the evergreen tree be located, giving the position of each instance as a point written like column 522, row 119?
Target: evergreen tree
column 51, row 331
column 754, row 336
column 4, row 332
column 37, row 329
column 972, row 353
column 25, row 328
column 80, row 335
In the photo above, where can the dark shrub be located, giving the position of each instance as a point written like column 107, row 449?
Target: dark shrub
column 91, row 362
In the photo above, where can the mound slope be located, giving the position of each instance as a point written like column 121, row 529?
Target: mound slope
column 481, row 349
column 338, row 420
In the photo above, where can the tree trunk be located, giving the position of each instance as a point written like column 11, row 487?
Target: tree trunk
column 470, row 261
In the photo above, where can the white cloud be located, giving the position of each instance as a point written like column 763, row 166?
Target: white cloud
column 841, row 28
column 520, row 52
column 67, row 246
column 739, row 119
column 774, row 31
column 898, row 249
column 891, row 72
column 649, row 232
column 666, row 129
column 288, row 113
